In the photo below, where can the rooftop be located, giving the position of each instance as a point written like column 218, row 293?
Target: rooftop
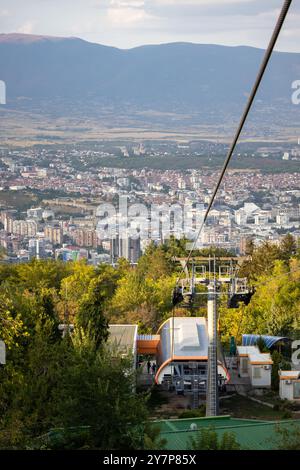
column 290, row 374
column 254, row 355
column 190, row 337
column 250, row 434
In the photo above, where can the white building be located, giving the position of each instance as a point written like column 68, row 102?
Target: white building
column 282, row 219
column 250, row 208
column 289, row 385
column 240, row 217
column 181, row 184
column 255, row 365
column 261, row 218
column 35, row 213
column 248, row 211
column 48, row 213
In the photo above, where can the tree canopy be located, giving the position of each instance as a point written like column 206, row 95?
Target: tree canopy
column 70, row 391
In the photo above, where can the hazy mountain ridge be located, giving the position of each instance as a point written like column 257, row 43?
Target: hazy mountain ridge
column 167, row 77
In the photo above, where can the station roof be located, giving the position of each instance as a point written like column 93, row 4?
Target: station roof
column 183, row 339
column 254, row 355
column 250, row 434
column 289, row 374
column 189, row 335
column 246, row 350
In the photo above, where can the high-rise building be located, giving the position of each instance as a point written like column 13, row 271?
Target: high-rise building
column 86, row 238
column 54, row 234
column 126, row 247
column 37, row 248
column 18, row 227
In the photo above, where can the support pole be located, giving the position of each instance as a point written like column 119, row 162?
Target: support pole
column 212, row 399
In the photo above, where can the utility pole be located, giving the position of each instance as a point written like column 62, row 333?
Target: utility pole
column 66, row 312
column 212, row 399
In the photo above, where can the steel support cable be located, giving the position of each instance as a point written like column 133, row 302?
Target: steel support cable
column 263, row 67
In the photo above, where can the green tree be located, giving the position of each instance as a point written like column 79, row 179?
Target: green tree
column 73, row 287
column 276, row 358
column 69, row 384
column 154, row 264
column 262, row 261
column 288, row 438
column 249, row 249
column 214, row 251
column 91, row 316
column 140, row 298
column 208, row 439
column 26, row 387
column 97, row 391
column 288, row 247
column 41, row 273
column 12, row 328
column 261, row 345
column 152, row 439
column 274, row 308
column 175, row 247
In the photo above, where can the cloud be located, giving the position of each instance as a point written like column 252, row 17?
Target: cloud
column 4, row 13
column 26, row 28
column 212, row 8
column 127, row 3
column 127, row 12
column 125, row 16
column 200, row 2
column 129, row 23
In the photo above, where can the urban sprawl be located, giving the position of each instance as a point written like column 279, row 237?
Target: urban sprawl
column 62, row 221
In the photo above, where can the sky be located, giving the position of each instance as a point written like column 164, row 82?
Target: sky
column 130, row 23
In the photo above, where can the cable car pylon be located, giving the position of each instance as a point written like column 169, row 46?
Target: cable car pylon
column 219, row 276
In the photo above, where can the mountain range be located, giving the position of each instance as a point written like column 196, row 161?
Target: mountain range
column 167, row 76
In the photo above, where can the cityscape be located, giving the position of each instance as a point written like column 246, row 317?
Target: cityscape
column 149, row 231
column 63, row 225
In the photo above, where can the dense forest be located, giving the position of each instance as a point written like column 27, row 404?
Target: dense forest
column 59, row 384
